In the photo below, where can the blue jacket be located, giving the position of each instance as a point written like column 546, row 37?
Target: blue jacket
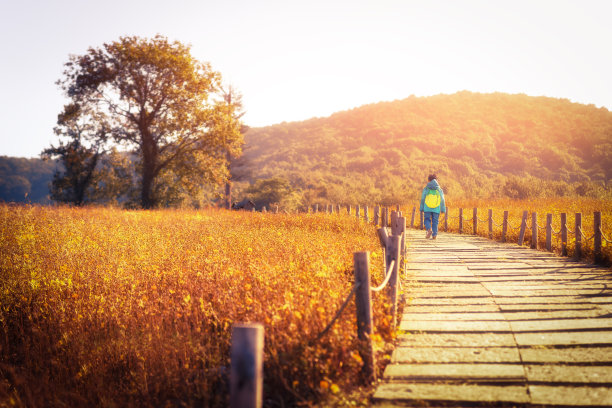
column 433, row 185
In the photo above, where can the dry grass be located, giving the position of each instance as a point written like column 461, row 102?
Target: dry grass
column 131, row 308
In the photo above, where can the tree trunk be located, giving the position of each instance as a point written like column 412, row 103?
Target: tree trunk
column 149, row 171
column 228, row 184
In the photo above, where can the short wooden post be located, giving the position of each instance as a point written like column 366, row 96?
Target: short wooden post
column 385, row 217
column 446, row 220
column 363, row 306
column 315, row 208
column 393, row 254
column 393, row 220
column 475, row 219
column 597, row 254
column 564, row 234
column 422, row 220
column 264, row 209
column 383, row 236
column 412, row 218
column 490, row 219
column 376, row 215
column 246, row 373
column 534, row 230
column 276, row 209
column 578, row 230
column 549, row 232
column 505, row 226
column 348, row 209
column 338, row 208
column 357, row 211
column 461, row 220
column 401, row 229
column 521, row 237
column 366, row 216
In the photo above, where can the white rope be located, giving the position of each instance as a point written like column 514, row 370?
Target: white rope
column 382, row 285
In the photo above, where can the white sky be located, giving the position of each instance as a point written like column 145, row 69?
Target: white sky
column 294, row 60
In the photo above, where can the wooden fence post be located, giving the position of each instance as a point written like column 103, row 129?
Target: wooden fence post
column 246, row 373
column 475, row 219
column 412, row 218
column 393, row 220
column 505, row 226
column 578, row 230
column 393, row 254
column 461, row 220
column 366, row 216
column 357, row 211
column 376, row 215
column 597, row 254
column 401, row 221
column 422, row 220
column 490, row 219
column 564, row 234
column 549, row 232
column 385, row 217
column 348, row 209
column 338, row 208
column 363, row 303
column 446, row 220
column 534, row 230
column 521, row 237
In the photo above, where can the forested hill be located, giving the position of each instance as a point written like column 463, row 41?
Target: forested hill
column 480, row 145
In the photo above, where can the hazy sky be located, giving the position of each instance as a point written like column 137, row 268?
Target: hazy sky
column 294, row 60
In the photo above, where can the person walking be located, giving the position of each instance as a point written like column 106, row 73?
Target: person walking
column 432, row 204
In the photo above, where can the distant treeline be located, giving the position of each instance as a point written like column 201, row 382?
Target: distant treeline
column 25, row 180
column 480, row 146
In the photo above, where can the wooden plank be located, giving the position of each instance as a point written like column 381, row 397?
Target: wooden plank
column 457, row 340
column 567, row 355
column 543, row 307
column 471, row 372
column 566, row 396
column 451, row 308
column 455, row 326
column 564, row 338
column 451, row 301
column 509, row 316
column 456, row 355
column 408, row 392
column 560, row 325
column 453, row 316
column 569, row 374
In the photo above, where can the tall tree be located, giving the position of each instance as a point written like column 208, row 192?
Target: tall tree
column 83, row 138
column 162, row 103
column 232, row 98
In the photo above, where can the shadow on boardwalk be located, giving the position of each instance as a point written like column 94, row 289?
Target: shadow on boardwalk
column 489, row 324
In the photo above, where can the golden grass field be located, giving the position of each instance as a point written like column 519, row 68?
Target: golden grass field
column 107, row 307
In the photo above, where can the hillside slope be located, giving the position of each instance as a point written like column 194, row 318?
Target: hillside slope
column 480, row 145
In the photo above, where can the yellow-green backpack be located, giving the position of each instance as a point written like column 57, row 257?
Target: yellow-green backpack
column 432, row 199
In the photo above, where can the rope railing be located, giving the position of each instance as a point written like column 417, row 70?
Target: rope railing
column 584, row 236
column 604, row 237
column 338, row 313
column 532, row 230
column 387, row 277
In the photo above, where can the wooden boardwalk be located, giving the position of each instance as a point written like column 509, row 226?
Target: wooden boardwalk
column 489, row 324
